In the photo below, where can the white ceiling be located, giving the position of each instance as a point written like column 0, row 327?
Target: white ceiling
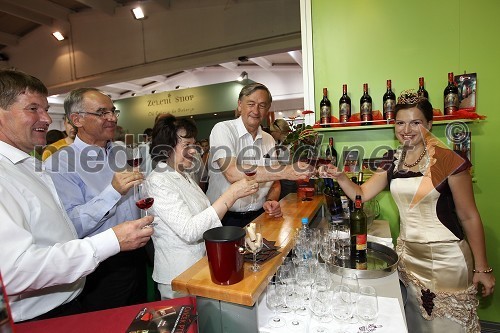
column 281, row 72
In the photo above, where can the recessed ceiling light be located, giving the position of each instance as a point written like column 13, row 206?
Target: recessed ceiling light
column 58, row 35
column 138, row 13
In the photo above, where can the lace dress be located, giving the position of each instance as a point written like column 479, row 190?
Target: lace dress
column 435, row 259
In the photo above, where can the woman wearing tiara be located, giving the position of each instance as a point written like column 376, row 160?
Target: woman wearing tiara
column 441, row 243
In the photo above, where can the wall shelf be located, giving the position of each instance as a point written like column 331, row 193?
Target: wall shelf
column 348, row 127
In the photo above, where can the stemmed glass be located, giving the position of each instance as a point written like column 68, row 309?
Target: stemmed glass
column 367, row 305
column 326, row 249
column 286, row 275
column 294, row 300
column 134, row 158
column 305, row 278
column 350, row 280
column 251, row 172
column 253, row 243
column 321, row 304
column 342, row 305
column 142, row 200
column 274, row 299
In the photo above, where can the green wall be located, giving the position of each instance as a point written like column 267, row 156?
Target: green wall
column 361, row 41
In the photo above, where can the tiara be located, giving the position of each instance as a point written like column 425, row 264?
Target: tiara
column 409, row 96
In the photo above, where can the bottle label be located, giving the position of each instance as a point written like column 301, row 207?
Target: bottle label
column 344, row 112
column 345, row 206
column 361, row 242
column 389, row 107
column 366, row 109
column 325, row 114
column 450, row 103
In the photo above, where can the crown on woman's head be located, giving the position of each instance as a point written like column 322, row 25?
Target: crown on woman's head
column 409, row 96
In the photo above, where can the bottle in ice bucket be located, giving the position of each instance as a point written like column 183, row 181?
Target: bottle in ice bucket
column 358, row 222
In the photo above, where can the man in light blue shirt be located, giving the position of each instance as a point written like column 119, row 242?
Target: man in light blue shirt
column 97, row 191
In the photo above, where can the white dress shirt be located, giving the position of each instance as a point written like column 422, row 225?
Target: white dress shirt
column 41, row 260
column 231, row 139
column 183, row 214
column 82, row 175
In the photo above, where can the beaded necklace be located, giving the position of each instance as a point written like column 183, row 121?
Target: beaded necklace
column 418, row 159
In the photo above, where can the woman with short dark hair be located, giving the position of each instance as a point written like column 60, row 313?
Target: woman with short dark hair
column 181, row 209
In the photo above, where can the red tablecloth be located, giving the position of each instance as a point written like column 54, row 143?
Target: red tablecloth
column 106, row 321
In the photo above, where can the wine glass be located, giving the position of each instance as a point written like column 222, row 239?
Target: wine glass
column 134, row 158
column 367, row 305
column 250, row 172
column 294, row 300
column 321, row 305
column 253, row 243
column 326, row 248
column 350, row 280
column 304, row 279
column 274, row 299
column 142, row 200
column 342, row 305
column 344, row 241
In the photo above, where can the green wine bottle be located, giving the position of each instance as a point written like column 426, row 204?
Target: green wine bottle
column 358, row 229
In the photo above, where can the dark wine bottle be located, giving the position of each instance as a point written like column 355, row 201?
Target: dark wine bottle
column 325, row 107
column 421, row 88
column 335, row 203
column 358, row 229
column 331, row 152
column 344, row 106
column 389, row 102
column 450, row 96
column 365, row 109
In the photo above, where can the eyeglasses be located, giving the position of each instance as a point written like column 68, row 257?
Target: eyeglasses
column 104, row 114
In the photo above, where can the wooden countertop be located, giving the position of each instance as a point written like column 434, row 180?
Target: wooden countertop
column 196, row 280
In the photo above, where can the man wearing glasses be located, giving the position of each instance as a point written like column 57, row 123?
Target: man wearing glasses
column 96, row 190
column 240, row 148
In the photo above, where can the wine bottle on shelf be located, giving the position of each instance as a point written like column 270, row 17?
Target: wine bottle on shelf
column 365, row 106
column 389, row 102
column 331, row 152
column 421, row 88
column 344, row 106
column 325, row 107
column 358, row 229
column 451, row 101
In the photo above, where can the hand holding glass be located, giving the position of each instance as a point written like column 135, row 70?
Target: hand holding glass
column 253, row 243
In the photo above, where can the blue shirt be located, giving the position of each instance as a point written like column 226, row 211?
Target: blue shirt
column 82, row 175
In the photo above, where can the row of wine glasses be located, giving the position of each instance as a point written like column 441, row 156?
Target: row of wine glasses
column 303, row 288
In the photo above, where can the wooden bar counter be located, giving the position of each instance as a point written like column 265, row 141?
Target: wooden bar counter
column 229, row 309
column 196, row 280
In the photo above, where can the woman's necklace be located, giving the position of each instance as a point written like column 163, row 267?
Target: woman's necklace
column 418, row 159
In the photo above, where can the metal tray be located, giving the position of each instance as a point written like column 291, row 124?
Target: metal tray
column 382, row 261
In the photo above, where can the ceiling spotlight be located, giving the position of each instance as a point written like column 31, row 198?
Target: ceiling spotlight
column 138, row 13
column 58, row 35
column 132, row 94
column 153, row 91
column 243, row 76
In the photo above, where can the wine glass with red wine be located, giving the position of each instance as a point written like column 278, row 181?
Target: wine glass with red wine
column 134, row 158
column 142, row 200
column 250, row 172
